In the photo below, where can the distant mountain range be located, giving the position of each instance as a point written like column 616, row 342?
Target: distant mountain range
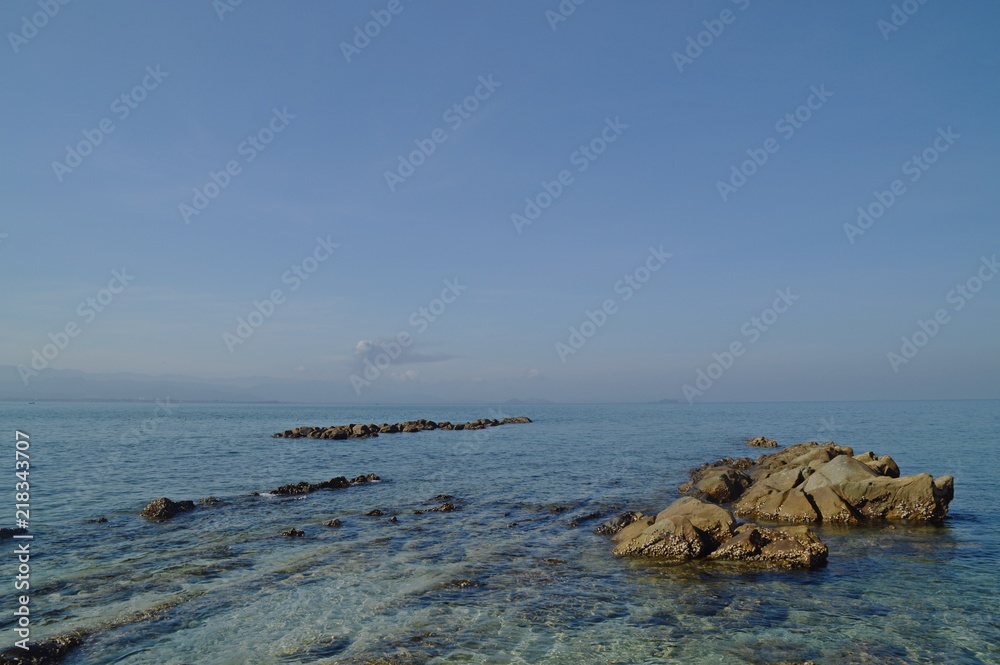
column 74, row 385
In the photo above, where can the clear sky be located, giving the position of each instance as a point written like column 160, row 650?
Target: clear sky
column 115, row 113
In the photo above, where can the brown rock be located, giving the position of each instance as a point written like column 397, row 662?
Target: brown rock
column 831, row 506
column 676, row 539
column 918, row 497
column 793, row 547
column 162, row 509
column 724, row 487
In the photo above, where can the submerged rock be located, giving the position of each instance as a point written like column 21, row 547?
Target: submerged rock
column 762, row 442
column 374, row 513
column 293, row 533
column 616, row 524
column 162, row 509
column 304, row 487
column 48, row 651
column 334, row 523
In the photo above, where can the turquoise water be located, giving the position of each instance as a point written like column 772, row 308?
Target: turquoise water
column 236, row 592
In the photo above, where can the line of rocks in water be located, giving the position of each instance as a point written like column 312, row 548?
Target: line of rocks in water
column 163, row 508
column 363, row 431
column 805, row 483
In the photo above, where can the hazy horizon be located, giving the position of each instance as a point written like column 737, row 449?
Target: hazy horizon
column 615, row 204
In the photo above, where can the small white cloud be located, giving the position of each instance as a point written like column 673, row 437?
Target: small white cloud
column 534, row 372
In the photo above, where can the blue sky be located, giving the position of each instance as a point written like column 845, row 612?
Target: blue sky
column 889, row 94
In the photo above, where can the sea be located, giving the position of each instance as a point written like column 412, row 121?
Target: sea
column 516, row 574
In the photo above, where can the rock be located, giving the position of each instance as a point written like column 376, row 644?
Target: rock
column 394, row 519
column 293, row 533
column 831, row 506
column 797, row 507
column 826, row 482
column 209, row 501
column 616, row 524
column 883, row 466
column 364, row 431
column 675, row 539
column 554, row 561
column 918, row 497
column 334, row 523
column 635, row 529
column 374, row 513
column 443, row 508
column 362, row 480
column 465, row 584
column 162, row 509
column 724, row 487
column 837, row 471
column 714, row 521
column 792, row 547
column 100, row 520
column 687, row 529
column 46, row 652
column 762, row 442
column 576, row 521
column 304, row 487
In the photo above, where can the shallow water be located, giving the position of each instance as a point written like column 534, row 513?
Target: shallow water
column 230, row 590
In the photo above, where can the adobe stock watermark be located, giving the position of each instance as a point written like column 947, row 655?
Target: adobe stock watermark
column 786, row 126
column 30, row 25
column 363, row 35
column 899, row 16
column 87, row 311
column 752, row 330
column 465, row 443
column 958, row 298
column 249, row 148
column 420, row 320
column 294, row 278
column 581, row 158
column 455, row 115
column 698, row 43
column 563, row 11
column 122, row 107
column 626, row 287
column 915, row 167
column 223, row 7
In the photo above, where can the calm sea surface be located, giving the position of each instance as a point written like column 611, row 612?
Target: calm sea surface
column 230, row 590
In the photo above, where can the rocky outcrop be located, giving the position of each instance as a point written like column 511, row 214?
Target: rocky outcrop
column 762, row 442
column 340, row 482
column 812, row 482
column 162, row 509
column 362, row 431
column 693, row 529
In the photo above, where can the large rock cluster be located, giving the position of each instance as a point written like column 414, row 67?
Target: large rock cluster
column 805, row 483
column 361, row 431
column 693, row 529
column 812, row 482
